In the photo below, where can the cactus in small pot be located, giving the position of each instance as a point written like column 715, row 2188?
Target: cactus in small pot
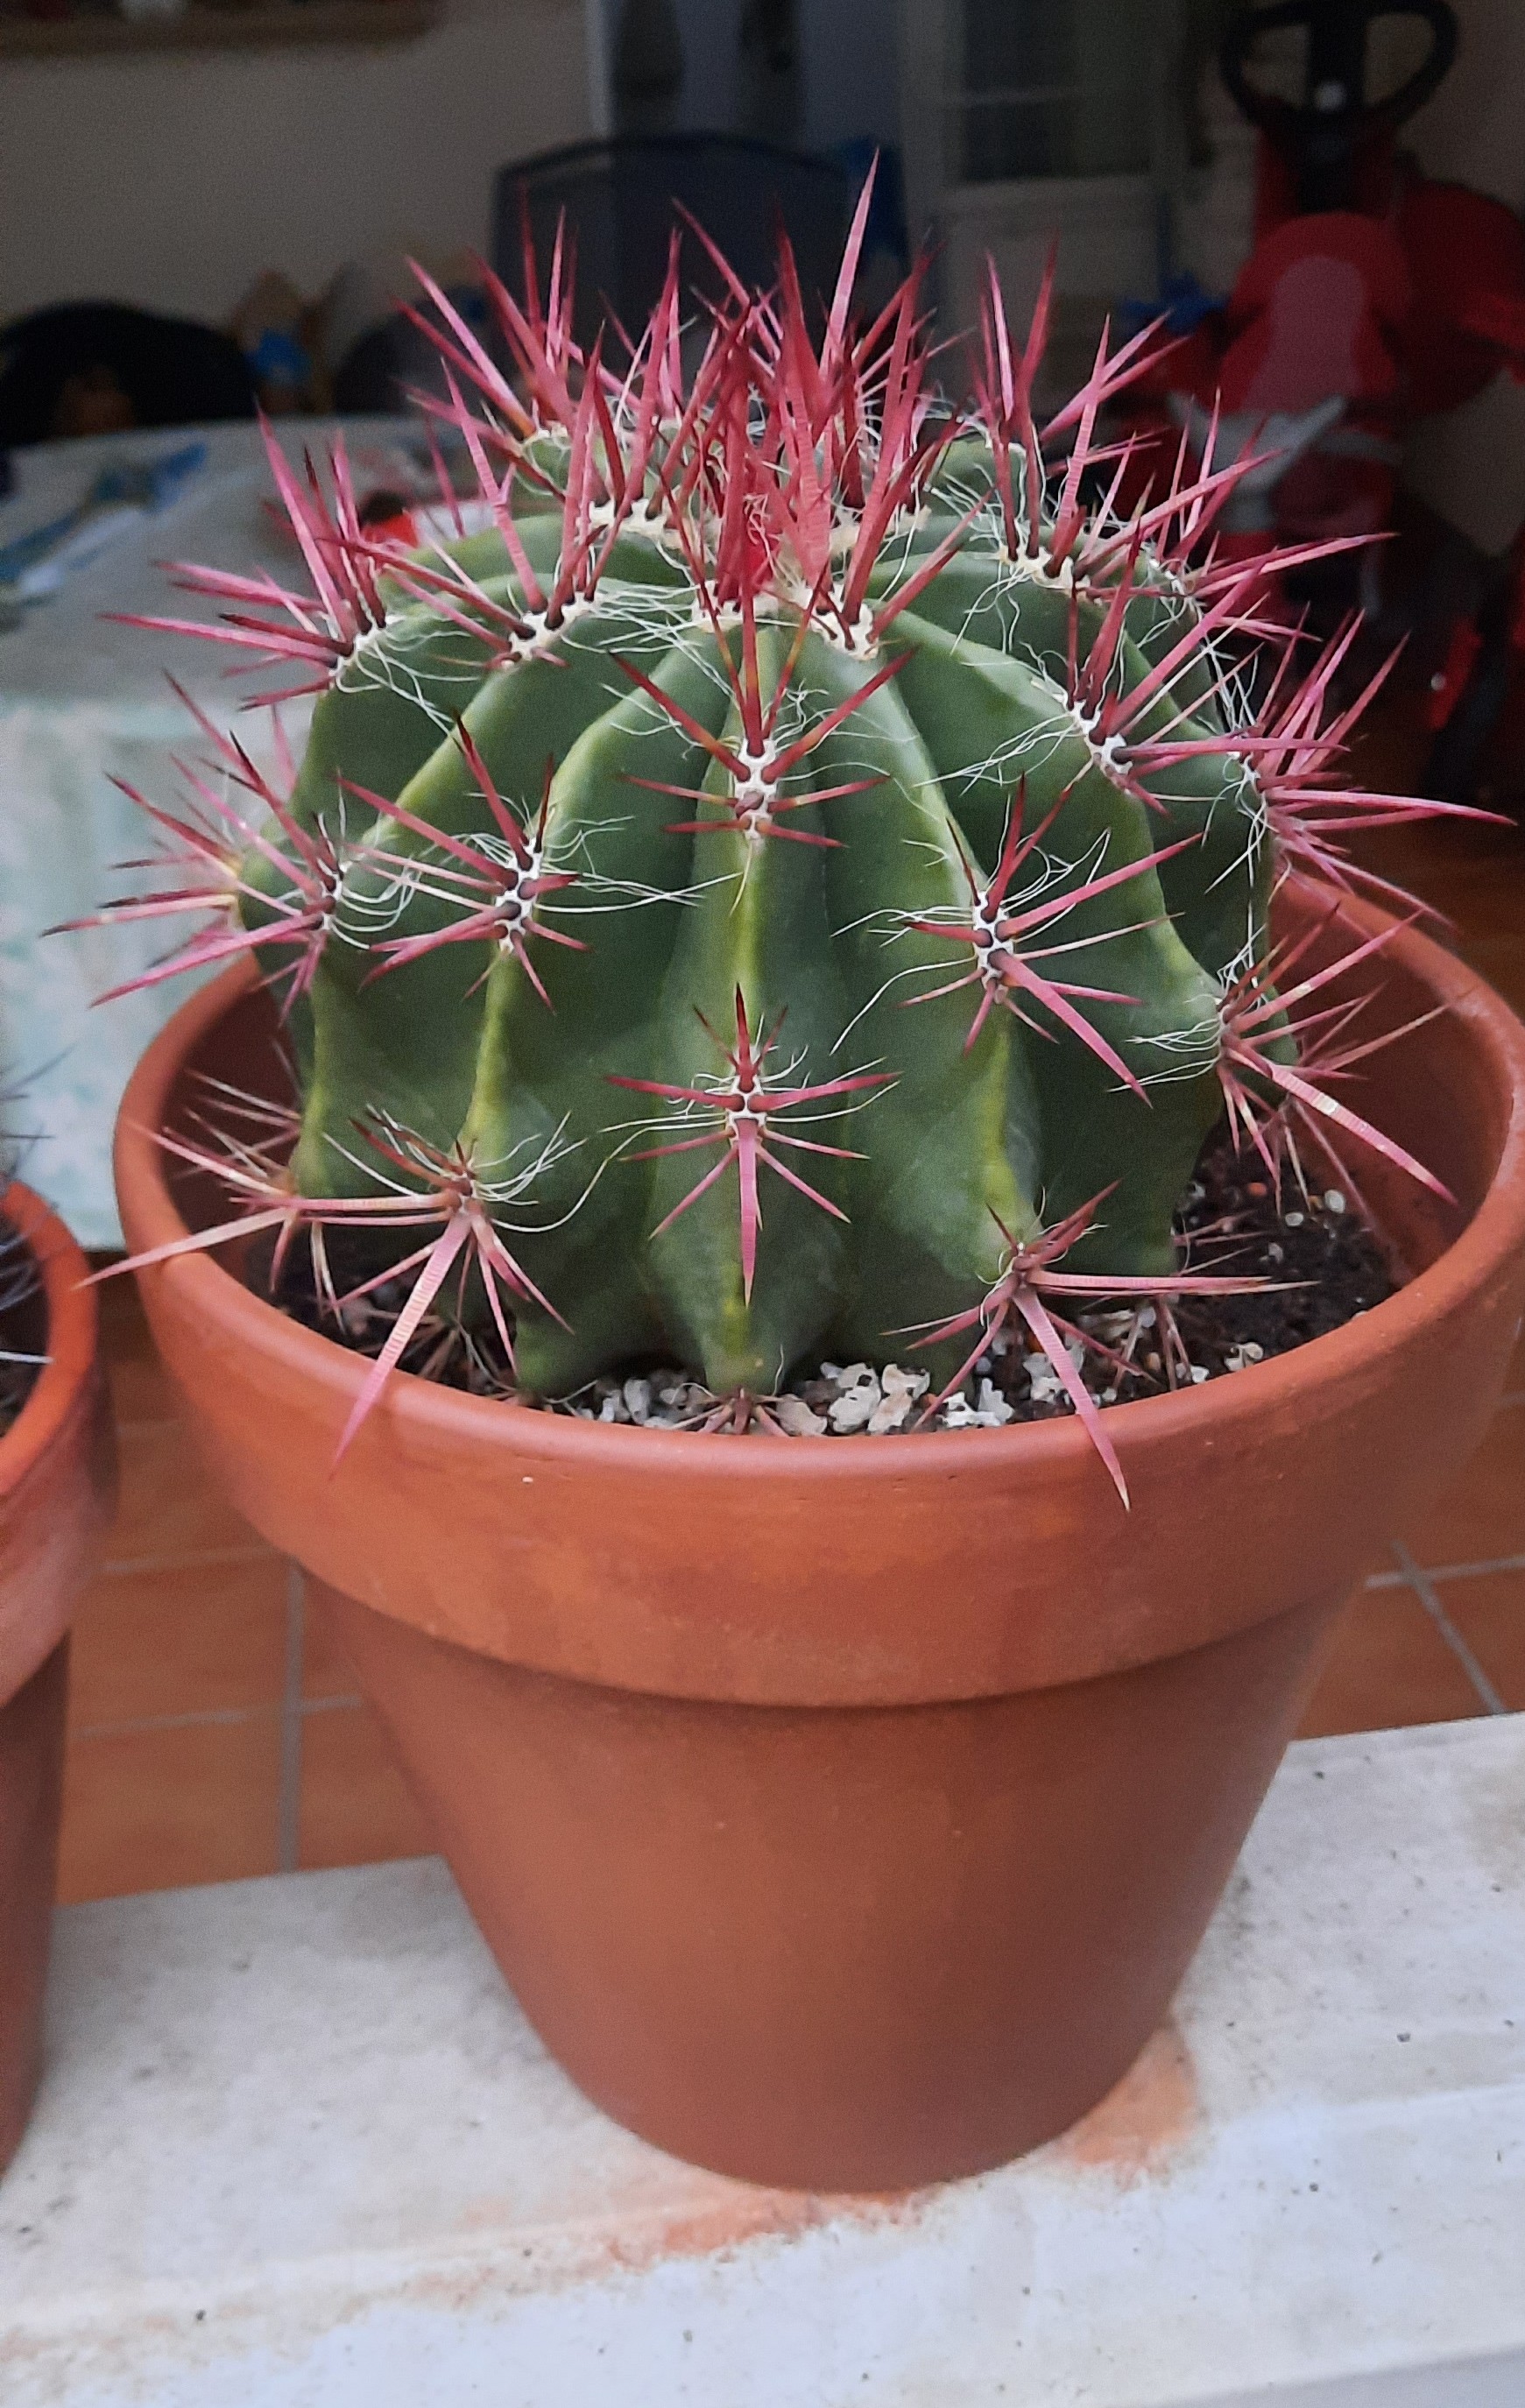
column 20, row 1287
column 792, row 878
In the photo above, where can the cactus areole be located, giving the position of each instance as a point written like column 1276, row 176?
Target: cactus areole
column 794, row 849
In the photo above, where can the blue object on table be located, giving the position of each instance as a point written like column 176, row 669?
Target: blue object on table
column 1182, row 305
column 277, row 358
column 33, row 563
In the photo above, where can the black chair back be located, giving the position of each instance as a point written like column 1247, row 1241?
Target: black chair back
column 619, row 196
column 169, row 371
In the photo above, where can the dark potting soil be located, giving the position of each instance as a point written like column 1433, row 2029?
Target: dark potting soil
column 1323, row 1263
column 1321, row 1260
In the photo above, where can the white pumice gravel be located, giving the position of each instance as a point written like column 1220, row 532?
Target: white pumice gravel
column 1116, row 1325
column 1131, row 1348
column 842, row 1400
column 653, row 1401
column 901, row 1393
column 1044, row 1382
column 859, row 1400
column 1011, row 1379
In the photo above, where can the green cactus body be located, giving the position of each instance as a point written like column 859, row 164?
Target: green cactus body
column 1024, row 1124
column 768, row 880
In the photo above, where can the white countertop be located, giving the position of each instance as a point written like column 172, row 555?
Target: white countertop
column 298, row 2148
column 84, row 700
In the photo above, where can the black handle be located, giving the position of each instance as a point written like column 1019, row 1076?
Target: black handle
column 1322, row 138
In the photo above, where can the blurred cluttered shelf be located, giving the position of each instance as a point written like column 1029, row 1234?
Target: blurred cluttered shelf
column 76, row 31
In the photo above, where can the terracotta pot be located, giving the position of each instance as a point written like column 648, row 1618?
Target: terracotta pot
column 57, row 1484
column 844, row 1814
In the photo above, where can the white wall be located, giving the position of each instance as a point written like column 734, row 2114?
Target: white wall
column 172, row 179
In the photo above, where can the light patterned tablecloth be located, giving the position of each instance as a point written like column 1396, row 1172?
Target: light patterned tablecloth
column 82, row 701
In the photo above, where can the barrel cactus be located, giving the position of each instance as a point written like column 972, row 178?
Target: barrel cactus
column 792, row 876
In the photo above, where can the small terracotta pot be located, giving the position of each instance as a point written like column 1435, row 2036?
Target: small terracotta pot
column 57, row 1484
column 844, row 1814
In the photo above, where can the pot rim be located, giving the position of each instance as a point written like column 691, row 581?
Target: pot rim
column 73, row 1321
column 1495, row 1232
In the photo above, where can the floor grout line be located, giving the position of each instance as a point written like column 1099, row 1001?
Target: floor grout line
column 1446, row 1571
column 201, row 1718
column 208, row 1717
column 212, row 1558
column 1424, row 1590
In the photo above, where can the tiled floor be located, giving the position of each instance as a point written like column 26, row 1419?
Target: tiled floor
column 1441, row 1632
column 214, row 1729
column 215, row 1733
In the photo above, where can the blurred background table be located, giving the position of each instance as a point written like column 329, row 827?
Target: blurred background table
column 84, row 700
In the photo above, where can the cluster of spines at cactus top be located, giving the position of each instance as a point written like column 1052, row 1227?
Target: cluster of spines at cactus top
column 801, row 848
